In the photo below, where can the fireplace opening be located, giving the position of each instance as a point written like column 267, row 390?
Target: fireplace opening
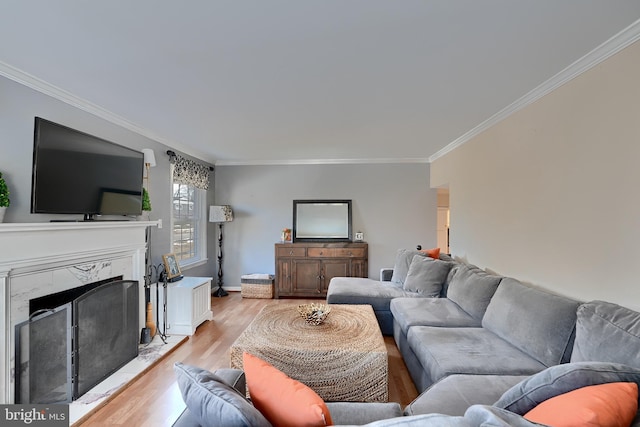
column 51, row 301
column 74, row 341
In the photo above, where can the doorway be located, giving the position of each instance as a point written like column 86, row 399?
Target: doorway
column 442, row 227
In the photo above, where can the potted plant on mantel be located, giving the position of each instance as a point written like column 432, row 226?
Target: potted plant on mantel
column 4, row 197
column 146, row 204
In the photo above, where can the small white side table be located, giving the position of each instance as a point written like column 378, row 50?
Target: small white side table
column 188, row 304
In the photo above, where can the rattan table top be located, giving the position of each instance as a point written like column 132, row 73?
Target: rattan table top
column 345, row 358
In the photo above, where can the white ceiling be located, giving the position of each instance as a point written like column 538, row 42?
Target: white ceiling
column 286, row 81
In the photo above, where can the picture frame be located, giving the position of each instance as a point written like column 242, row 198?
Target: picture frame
column 171, row 266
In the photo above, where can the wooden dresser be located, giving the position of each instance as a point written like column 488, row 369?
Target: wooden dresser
column 305, row 269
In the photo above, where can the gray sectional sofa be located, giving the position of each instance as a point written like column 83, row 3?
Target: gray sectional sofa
column 482, row 349
column 483, row 333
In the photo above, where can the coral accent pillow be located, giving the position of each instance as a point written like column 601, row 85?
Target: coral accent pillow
column 282, row 400
column 602, row 405
column 432, row 253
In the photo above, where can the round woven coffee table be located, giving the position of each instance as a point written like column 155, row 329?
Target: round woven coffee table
column 343, row 359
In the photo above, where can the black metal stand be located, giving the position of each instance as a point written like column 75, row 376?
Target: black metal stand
column 220, row 292
column 145, row 333
column 161, row 333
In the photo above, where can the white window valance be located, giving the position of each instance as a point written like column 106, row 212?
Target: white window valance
column 186, row 171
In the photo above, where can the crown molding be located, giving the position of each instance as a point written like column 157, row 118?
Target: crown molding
column 320, row 162
column 60, row 94
column 39, row 85
column 615, row 44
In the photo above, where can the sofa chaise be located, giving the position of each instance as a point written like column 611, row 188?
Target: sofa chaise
column 380, row 293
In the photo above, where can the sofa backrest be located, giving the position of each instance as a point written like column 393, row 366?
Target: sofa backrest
column 607, row 332
column 539, row 323
column 472, row 289
column 404, row 257
column 456, row 264
column 402, row 264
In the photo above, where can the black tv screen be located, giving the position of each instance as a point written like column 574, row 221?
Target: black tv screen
column 77, row 173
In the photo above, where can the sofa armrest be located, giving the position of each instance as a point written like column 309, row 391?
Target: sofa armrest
column 386, row 274
column 358, row 413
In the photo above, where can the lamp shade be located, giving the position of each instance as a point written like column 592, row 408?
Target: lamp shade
column 149, row 157
column 220, row 213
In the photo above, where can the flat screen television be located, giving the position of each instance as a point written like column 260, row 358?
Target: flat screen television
column 321, row 221
column 77, row 173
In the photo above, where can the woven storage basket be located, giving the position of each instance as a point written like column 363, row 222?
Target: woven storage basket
column 256, row 286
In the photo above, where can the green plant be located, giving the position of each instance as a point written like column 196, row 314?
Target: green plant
column 4, row 193
column 146, row 201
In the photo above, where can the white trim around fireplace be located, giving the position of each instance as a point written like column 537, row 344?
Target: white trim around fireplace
column 41, row 258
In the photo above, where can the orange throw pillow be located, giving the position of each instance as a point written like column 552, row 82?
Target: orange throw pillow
column 602, row 405
column 432, row 253
column 282, row 400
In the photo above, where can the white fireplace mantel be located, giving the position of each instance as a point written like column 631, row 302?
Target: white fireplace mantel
column 41, row 258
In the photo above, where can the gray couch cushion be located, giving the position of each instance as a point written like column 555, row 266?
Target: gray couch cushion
column 445, row 257
column 187, row 419
column 409, row 312
column 539, row 323
column 214, row 403
column 472, row 289
column 361, row 412
column 454, row 394
column 561, row 379
column 234, row 378
column 476, row 416
column 447, row 351
column 357, row 290
column 404, row 257
column 426, row 276
column 607, row 332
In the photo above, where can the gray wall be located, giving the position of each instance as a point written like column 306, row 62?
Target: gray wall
column 18, row 107
column 392, row 205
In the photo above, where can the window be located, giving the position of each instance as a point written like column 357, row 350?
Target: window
column 188, row 238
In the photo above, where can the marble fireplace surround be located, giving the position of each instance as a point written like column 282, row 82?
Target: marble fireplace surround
column 38, row 259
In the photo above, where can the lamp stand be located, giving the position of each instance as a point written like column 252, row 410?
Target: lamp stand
column 220, row 292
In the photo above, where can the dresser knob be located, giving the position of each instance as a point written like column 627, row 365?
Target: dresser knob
column 291, row 252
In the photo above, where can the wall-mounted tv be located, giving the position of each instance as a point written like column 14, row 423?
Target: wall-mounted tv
column 77, row 173
column 322, row 221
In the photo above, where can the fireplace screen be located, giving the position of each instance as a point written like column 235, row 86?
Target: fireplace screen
column 64, row 352
column 43, row 347
column 106, row 333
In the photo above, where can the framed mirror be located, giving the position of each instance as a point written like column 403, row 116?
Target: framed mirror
column 322, row 221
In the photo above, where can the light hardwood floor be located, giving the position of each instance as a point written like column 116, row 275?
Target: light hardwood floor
column 155, row 400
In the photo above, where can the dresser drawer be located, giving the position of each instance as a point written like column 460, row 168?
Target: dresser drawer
column 291, row 251
column 336, row 252
column 349, row 253
column 321, row 252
